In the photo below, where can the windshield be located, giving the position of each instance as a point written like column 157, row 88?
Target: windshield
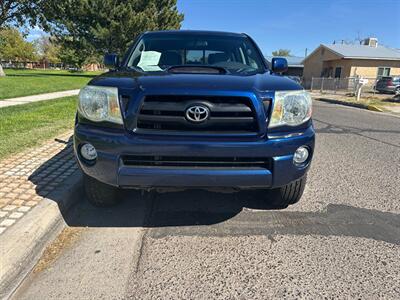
column 235, row 54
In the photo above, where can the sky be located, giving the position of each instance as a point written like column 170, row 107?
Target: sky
column 296, row 25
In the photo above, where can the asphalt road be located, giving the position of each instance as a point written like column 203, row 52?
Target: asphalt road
column 341, row 241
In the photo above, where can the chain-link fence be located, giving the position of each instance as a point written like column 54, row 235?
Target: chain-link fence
column 341, row 85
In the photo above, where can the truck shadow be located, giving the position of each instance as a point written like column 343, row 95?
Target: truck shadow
column 329, row 128
column 200, row 212
column 203, row 213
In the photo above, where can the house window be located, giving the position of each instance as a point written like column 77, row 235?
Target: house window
column 338, row 72
column 327, row 72
column 330, row 72
column 383, row 71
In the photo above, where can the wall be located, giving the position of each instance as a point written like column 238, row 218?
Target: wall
column 92, row 67
column 313, row 64
column 317, row 61
column 346, row 67
column 369, row 68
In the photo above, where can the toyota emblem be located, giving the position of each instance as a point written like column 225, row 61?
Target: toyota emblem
column 197, row 113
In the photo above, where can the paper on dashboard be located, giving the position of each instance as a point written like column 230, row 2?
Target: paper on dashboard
column 149, row 61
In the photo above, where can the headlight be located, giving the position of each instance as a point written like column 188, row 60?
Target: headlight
column 291, row 108
column 98, row 104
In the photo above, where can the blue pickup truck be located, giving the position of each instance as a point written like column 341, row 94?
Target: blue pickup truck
column 194, row 109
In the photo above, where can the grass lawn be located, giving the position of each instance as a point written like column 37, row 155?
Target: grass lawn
column 28, row 125
column 26, row 82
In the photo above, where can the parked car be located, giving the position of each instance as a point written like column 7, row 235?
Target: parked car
column 194, row 109
column 388, row 84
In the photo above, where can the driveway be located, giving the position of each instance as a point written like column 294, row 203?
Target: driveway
column 342, row 240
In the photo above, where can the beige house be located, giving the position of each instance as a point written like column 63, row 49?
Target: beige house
column 368, row 60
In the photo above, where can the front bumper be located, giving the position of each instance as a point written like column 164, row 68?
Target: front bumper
column 112, row 144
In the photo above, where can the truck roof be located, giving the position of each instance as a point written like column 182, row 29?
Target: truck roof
column 198, row 32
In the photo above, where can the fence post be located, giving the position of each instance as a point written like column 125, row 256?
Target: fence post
column 358, row 96
column 322, row 85
column 374, row 86
column 335, row 85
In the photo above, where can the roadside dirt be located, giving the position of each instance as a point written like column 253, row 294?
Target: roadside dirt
column 63, row 241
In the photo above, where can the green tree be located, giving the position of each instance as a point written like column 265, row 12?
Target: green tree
column 91, row 28
column 281, row 52
column 71, row 56
column 48, row 50
column 19, row 13
column 14, row 47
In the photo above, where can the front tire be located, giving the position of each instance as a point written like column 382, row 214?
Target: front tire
column 100, row 194
column 288, row 194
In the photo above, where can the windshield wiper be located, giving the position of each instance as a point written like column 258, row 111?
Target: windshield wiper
column 137, row 69
column 245, row 70
column 197, row 69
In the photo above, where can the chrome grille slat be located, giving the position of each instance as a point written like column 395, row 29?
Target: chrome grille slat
column 166, row 114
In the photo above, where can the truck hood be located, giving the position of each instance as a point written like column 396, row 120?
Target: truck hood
column 224, row 82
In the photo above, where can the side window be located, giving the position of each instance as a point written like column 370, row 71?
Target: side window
column 383, row 71
column 252, row 63
column 136, row 54
column 248, row 56
column 241, row 58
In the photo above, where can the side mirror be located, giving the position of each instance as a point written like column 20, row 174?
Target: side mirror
column 111, row 61
column 279, row 65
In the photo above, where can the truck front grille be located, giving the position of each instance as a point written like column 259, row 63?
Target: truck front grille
column 166, row 113
column 196, row 162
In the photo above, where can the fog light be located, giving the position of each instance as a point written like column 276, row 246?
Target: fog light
column 88, row 152
column 301, row 155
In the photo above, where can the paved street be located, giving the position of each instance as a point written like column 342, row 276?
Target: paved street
column 342, row 240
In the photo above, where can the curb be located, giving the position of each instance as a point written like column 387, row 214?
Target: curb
column 23, row 244
column 374, row 108
column 358, row 105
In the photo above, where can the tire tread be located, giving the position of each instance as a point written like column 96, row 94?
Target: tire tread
column 290, row 193
column 100, row 194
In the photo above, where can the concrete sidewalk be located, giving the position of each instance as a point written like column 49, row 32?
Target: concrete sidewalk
column 28, row 177
column 36, row 186
column 35, row 98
